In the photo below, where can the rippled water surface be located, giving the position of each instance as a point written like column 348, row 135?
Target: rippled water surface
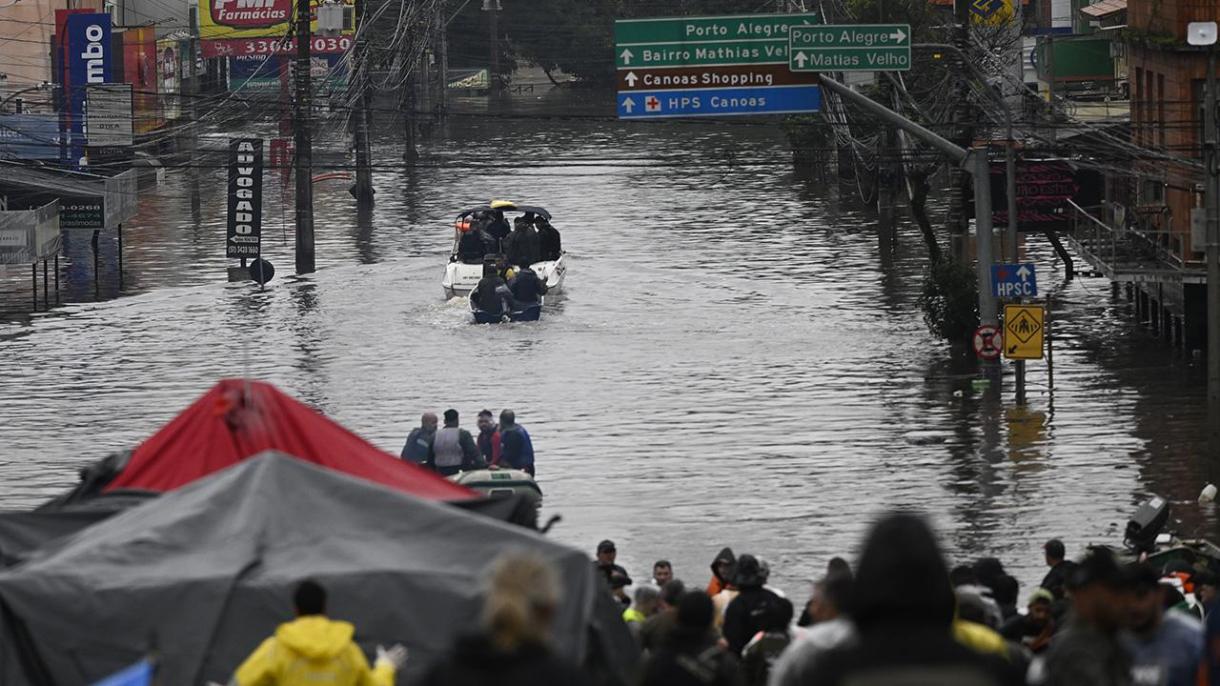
column 734, row 362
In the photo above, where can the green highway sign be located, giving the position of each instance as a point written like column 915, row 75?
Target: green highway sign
column 860, row 47
column 683, row 29
column 703, row 53
column 711, row 67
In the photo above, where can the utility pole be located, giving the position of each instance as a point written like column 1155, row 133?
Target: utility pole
column 973, row 160
column 443, row 57
column 363, row 190
column 1213, row 260
column 192, row 108
column 962, row 132
column 303, row 115
column 492, row 7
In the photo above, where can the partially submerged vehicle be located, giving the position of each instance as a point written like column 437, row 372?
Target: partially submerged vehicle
column 465, row 268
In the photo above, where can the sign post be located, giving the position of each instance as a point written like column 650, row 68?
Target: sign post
column 1024, row 327
column 850, row 47
column 1014, row 280
column 244, row 236
column 711, row 67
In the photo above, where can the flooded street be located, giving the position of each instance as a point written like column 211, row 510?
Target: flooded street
column 733, row 362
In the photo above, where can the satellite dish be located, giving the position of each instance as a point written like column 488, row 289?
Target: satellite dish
column 1201, row 33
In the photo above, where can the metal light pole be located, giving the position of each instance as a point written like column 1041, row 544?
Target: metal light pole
column 1204, row 33
column 492, row 8
column 973, row 161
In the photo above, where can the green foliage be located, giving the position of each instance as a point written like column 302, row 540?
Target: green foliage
column 950, row 301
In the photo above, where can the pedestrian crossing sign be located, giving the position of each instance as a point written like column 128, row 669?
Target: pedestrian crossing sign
column 1024, row 326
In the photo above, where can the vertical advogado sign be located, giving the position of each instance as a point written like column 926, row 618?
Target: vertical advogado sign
column 88, row 54
column 245, row 197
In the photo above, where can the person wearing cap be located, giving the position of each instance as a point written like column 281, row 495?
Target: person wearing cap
column 751, row 611
column 619, row 581
column 1034, row 629
column 1165, row 645
column 453, row 448
column 606, row 555
column 1088, row 651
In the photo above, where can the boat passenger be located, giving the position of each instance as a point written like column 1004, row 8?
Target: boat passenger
column 454, row 449
column 316, row 649
column 549, row 242
column 492, row 294
column 497, row 225
column 516, row 449
column 526, row 287
column 470, row 247
column 489, row 438
column 419, row 441
column 523, row 247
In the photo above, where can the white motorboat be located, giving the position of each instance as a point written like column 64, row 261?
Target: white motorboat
column 463, row 272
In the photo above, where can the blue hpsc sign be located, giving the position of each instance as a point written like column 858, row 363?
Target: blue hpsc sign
column 1014, row 280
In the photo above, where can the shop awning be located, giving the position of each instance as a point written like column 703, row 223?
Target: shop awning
column 1105, row 8
column 87, row 201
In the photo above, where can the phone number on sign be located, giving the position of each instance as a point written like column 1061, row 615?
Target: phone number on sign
column 320, row 45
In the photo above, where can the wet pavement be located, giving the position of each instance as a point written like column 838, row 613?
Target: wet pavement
column 734, row 361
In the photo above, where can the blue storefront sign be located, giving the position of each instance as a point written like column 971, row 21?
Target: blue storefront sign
column 718, row 102
column 29, row 137
column 89, row 62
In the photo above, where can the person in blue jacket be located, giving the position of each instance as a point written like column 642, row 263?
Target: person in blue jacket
column 516, row 449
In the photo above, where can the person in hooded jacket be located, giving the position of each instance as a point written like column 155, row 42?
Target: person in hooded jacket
column 315, row 649
column 526, row 287
column 691, row 655
column 513, row 647
column 549, row 240
column 491, row 293
column 754, row 608
column 902, row 605
column 722, row 572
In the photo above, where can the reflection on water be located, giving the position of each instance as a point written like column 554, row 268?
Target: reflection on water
column 737, row 360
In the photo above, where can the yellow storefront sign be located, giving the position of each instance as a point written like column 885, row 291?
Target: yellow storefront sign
column 1024, row 328
column 234, row 19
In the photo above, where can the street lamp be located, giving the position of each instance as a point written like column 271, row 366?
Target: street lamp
column 1204, row 34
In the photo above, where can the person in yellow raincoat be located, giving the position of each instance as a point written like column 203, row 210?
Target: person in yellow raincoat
column 313, row 649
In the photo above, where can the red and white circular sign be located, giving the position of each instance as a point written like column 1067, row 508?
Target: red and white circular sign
column 988, row 342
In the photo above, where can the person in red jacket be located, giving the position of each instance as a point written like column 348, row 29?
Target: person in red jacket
column 489, row 438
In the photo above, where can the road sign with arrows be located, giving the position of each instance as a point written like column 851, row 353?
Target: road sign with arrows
column 1014, row 280
column 850, row 47
column 711, row 66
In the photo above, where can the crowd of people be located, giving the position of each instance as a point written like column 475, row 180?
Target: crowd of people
column 904, row 616
column 530, row 240
column 451, row 449
column 900, row 616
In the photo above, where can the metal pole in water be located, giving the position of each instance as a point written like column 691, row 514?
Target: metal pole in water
column 1212, row 189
